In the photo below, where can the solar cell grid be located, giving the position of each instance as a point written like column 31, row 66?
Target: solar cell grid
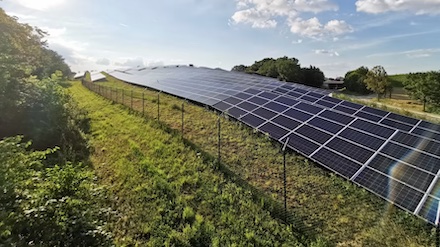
column 337, row 117
column 403, row 119
column 298, row 115
column 418, row 142
column 258, row 100
column 362, row 138
column 236, row 112
column 430, row 126
column 375, row 111
column 426, row 133
column 268, row 95
column 336, row 162
column 286, row 101
column 309, row 99
column 352, row 105
column 368, row 116
column 372, row 128
column 252, row 120
column 264, row 113
column 396, row 124
column 294, row 94
column 350, row 150
column 301, row 144
column 325, row 103
column 344, row 109
column 273, row 130
column 325, row 125
column 247, row 106
column 313, row 134
column 402, row 172
column 286, row 122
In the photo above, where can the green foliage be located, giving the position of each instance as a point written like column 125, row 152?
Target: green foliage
column 424, row 87
column 285, row 69
column 32, row 103
column 376, row 80
column 354, row 80
column 313, row 76
column 397, row 80
column 47, row 206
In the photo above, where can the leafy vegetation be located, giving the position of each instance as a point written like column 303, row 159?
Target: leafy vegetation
column 354, row 81
column 323, row 204
column 285, row 69
column 424, row 87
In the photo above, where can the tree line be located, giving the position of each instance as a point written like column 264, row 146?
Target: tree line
column 422, row 86
column 285, row 69
column 48, row 197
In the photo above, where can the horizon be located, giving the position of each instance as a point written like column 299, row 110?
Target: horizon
column 334, row 36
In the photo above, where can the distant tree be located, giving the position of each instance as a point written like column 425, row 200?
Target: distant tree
column 376, row 80
column 289, row 69
column 312, row 76
column 269, row 69
column 424, row 87
column 354, row 80
column 239, row 68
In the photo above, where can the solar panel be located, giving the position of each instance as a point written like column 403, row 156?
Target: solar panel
column 393, row 156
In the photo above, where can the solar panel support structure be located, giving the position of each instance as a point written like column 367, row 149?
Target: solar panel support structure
column 143, row 104
column 219, row 142
column 437, row 219
column 284, row 179
column 183, row 112
column 158, row 107
column 131, row 102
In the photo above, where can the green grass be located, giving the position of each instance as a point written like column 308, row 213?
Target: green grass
column 165, row 192
column 329, row 205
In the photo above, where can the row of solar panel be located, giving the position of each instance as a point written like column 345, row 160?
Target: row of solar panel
column 358, row 142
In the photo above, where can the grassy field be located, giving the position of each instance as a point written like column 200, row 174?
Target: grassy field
column 397, row 80
column 167, row 194
column 329, row 206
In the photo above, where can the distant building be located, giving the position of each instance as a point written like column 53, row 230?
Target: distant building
column 331, row 83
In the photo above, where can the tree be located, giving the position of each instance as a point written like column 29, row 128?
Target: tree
column 239, row 68
column 424, row 87
column 312, row 76
column 354, row 80
column 376, row 80
column 289, row 69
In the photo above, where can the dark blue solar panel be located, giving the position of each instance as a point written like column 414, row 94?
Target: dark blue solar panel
column 252, row 120
column 430, row 126
column 276, row 107
column 308, row 108
column 302, row 91
column 280, row 90
column 372, row 128
column 375, row 111
column 286, row 122
column 417, row 142
column 221, row 106
column 301, row 144
column 264, row 113
column 396, row 125
column 273, row 130
column 268, row 95
column 336, row 162
column 331, row 99
column 308, row 98
column 316, row 95
column 232, row 100
column 426, row 133
column 416, row 158
column 391, row 190
column 345, row 109
column 368, row 116
column 352, row 105
column 286, row 101
column 257, row 100
column 243, row 96
column 235, row 112
column 298, row 115
column 403, row 119
column 337, row 117
column 294, row 94
column 362, row 138
column 429, row 209
column 247, row 106
column 325, row 103
column 400, row 171
column 313, row 134
column 325, row 125
column 252, row 91
column 350, row 150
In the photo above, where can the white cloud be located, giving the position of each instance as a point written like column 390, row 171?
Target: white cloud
column 331, row 53
column 40, row 4
column 103, row 61
column 313, row 28
column 418, row 7
column 418, row 53
column 263, row 13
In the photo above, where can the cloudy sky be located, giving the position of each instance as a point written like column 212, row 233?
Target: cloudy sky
column 334, row 35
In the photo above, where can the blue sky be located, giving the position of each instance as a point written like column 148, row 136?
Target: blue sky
column 334, row 35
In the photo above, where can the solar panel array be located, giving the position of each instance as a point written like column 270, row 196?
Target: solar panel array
column 393, row 156
column 96, row 76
